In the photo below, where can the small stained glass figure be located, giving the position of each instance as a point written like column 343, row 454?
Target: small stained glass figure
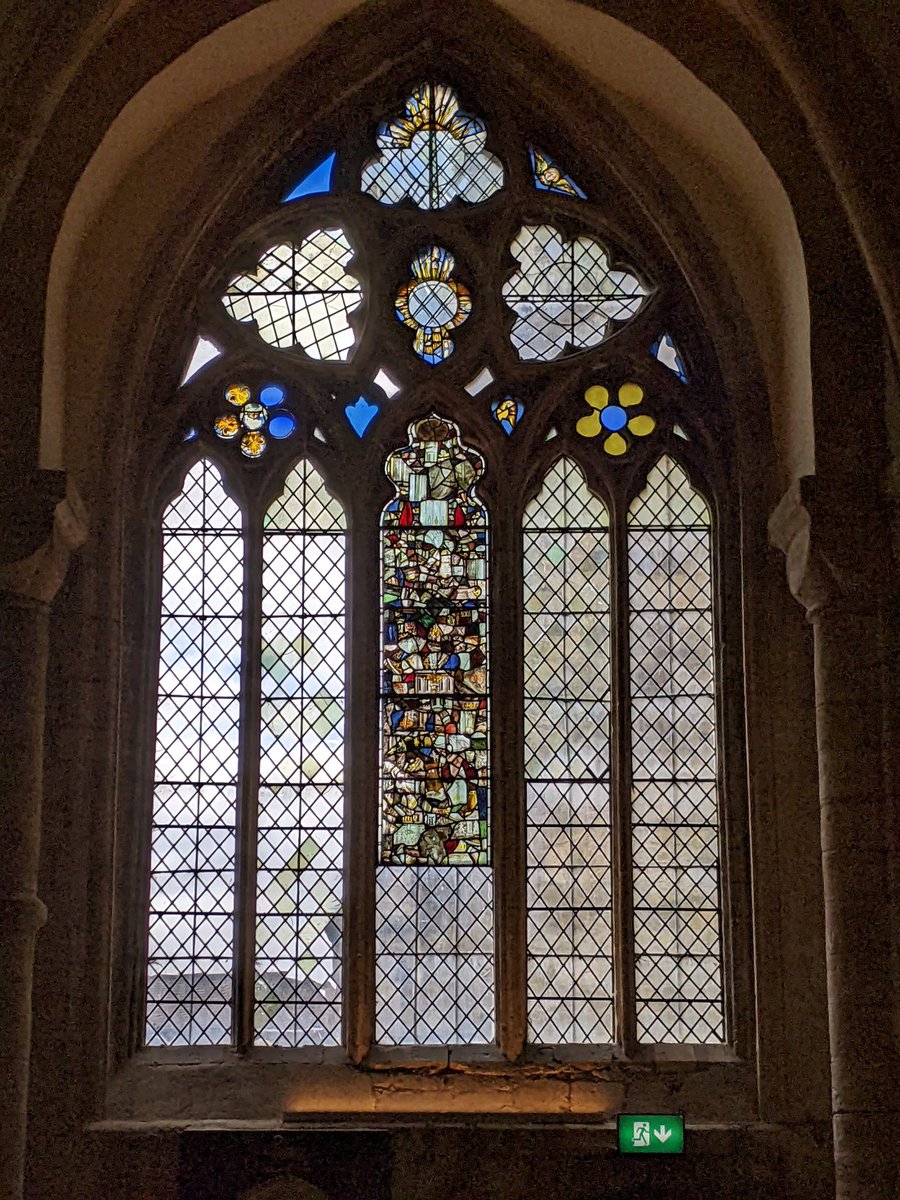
column 549, row 178
column 613, row 420
column 433, row 303
column 507, row 413
column 432, row 154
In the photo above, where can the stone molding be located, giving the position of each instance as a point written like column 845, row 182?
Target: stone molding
column 36, row 578
column 831, row 562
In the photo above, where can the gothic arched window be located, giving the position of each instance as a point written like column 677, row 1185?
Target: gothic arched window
column 437, row 745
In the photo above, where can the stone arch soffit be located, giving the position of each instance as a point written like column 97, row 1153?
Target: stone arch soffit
column 209, row 90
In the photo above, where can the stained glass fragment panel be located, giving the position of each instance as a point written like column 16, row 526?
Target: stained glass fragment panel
column 432, row 154
column 549, row 178
column 434, row 932
column 566, row 294
column 675, row 846
column 567, row 699
column 191, row 923
column 665, row 351
column 315, row 182
column 301, row 295
column 301, row 799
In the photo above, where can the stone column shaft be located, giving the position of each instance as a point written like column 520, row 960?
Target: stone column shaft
column 845, row 588
column 27, row 588
column 23, row 668
column 859, row 834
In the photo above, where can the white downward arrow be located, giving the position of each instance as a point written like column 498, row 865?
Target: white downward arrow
column 662, row 1133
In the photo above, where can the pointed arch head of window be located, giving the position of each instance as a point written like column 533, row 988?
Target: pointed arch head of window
column 608, row 748
column 674, row 810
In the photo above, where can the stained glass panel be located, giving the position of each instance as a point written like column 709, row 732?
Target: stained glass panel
column 434, row 922
column 433, row 303
column 549, row 178
column 567, row 698
column 674, row 806
column 665, row 351
column 301, row 800
column 565, row 293
column 432, row 154
column 301, row 296
column 191, row 922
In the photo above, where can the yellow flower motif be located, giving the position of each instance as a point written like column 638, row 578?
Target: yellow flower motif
column 253, row 444
column 227, row 427
column 432, row 303
column 611, row 418
column 237, row 394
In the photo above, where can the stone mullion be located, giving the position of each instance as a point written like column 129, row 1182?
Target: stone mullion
column 508, row 775
column 362, row 795
column 620, row 782
column 244, row 1004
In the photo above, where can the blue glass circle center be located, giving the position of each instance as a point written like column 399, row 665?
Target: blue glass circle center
column 613, row 417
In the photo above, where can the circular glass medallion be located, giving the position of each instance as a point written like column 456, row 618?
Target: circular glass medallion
column 227, row 427
column 253, row 416
column 613, row 417
column 238, row 394
column 432, row 304
column 253, row 445
column 282, row 425
column 271, row 396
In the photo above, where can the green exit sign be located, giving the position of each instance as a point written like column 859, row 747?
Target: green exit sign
column 651, row 1133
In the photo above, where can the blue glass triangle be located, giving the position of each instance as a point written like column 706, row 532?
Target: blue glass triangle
column 549, row 178
column 665, row 351
column 361, row 415
column 317, row 181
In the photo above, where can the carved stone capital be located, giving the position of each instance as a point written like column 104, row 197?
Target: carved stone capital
column 832, row 558
column 35, row 578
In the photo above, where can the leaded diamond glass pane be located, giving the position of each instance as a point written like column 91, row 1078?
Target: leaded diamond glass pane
column 566, row 543
column 565, row 293
column 301, row 295
column 435, row 818
column 434, row 946
column 191, row 925
column 301, row 799
column 675, row 847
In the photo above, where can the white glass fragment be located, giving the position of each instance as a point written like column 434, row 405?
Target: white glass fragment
column 204, row 351
column 480, row 382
